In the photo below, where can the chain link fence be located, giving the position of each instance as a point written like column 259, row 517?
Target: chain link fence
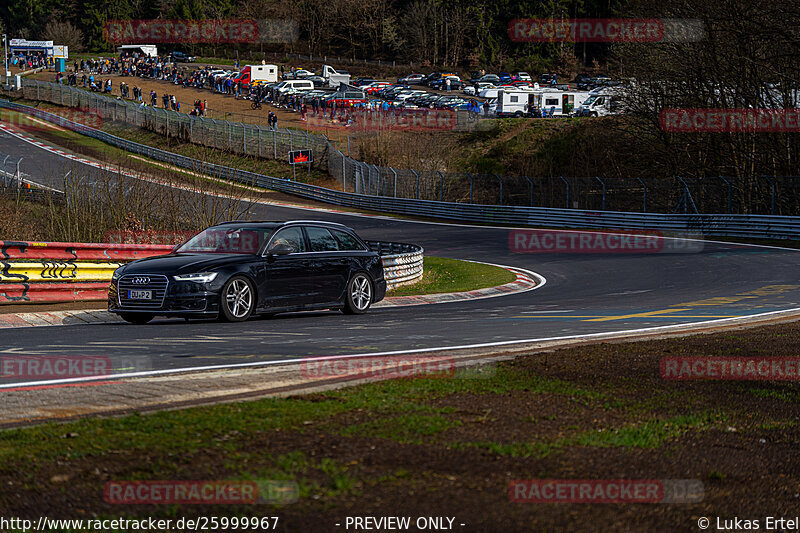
column 777, row 195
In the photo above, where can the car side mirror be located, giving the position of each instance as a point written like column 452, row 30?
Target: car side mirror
column 280, row 249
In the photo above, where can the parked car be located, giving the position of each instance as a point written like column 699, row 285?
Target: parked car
column 411, row 79
column 474, row 90
column 182, row 57
column 435, row 76
column 236, row 269
column 582, row 81
column 362, row 81
column 298, row 74
column 523, row 76
column 505, row 77
column 347, row 98
column 318, row 81
column 486, row 78
column 373, row 88
column 441, row 84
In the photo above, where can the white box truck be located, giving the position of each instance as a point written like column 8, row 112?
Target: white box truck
column 334, row 78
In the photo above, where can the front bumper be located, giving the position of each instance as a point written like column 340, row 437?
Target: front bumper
column 185, row 298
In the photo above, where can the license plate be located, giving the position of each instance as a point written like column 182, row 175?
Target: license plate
column 140, row 295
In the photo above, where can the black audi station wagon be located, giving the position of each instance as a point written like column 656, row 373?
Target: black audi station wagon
column 235, row 269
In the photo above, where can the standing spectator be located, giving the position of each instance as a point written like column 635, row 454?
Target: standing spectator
column 153, row 98
column 447, row 84
column 303, row 111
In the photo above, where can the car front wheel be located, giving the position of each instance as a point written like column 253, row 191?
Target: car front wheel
column 359, row 295
column 238, row 299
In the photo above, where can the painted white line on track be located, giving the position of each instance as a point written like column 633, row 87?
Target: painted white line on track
column 611, row 334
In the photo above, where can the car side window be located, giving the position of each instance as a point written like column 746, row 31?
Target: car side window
column 292, row 237
column 321, row 240
column 347, row 241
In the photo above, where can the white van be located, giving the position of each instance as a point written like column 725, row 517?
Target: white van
column 295, row 85
column 602, row 102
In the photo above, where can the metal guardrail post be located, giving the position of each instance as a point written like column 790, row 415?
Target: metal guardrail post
column 417, row 175
column 501, row 187
column 644, row 197
column 604, row 192
column 259, row 142
column 471, row 184
column 441, row 186
column 567, row 184
column 772, row 187
column 19, row 178
column 379, row 187
column 395, row 180
column 230, row 135
column 730, row 194
column 530, row 187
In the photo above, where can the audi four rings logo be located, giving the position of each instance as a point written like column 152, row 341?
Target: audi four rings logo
column 142, row 280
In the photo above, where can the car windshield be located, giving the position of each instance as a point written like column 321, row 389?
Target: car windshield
column 245, row 240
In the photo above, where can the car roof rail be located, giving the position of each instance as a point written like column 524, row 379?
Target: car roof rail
column 314, row 222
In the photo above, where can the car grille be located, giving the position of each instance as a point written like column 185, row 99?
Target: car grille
column 142, row 282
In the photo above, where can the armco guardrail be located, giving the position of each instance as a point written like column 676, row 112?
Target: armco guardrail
column 752, row 226
column 402, row 263
column 63, row 272
column 53, row 272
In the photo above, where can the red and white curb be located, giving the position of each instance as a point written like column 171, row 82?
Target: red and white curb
column 526, row 281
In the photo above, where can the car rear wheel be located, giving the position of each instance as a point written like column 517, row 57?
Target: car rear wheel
column 238, row 299
column 359, row 295
column 136, row 318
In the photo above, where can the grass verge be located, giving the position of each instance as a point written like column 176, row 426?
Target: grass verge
column 448, row 444
column 452, row 275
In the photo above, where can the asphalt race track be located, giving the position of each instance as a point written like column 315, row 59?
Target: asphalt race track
column 584, row 293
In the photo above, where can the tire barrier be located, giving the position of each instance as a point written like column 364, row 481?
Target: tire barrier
column 54, row 272
column 402, row 263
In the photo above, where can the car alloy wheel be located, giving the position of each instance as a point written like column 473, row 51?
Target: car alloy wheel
column 237, row 299
column 359, row 295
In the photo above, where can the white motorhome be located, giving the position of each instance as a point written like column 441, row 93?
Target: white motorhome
column 513, row 103
column 489, row 93
column 149, row 50
column 602, row 102
column 333, row 77
column 551, row 102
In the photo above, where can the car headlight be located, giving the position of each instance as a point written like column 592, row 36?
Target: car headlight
column 117, row 273
column 200, row 277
